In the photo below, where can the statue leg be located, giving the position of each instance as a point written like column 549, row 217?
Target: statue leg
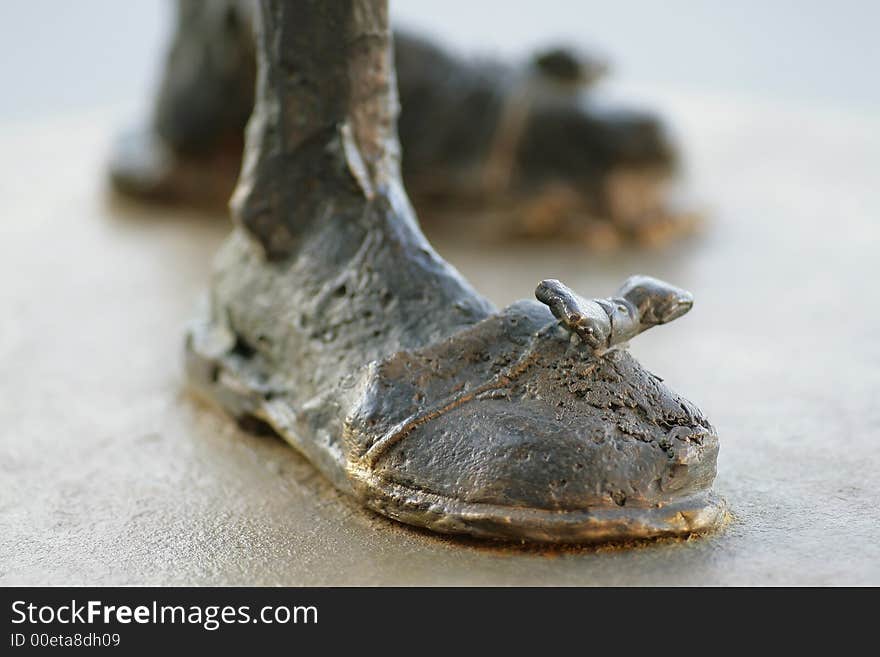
column 518, row 148
column 332, row 322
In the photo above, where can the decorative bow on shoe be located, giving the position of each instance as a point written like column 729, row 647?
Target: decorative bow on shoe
column 640, row 303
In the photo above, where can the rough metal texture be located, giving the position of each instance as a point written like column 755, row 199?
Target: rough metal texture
column 517, row 146
column 333, row 323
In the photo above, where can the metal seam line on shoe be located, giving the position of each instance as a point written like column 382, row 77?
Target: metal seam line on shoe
column 402, row 429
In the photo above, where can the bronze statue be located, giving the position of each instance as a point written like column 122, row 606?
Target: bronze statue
column 525, row 149
column 332, row 322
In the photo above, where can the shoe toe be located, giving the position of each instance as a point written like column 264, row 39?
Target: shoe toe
column 524, row 417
